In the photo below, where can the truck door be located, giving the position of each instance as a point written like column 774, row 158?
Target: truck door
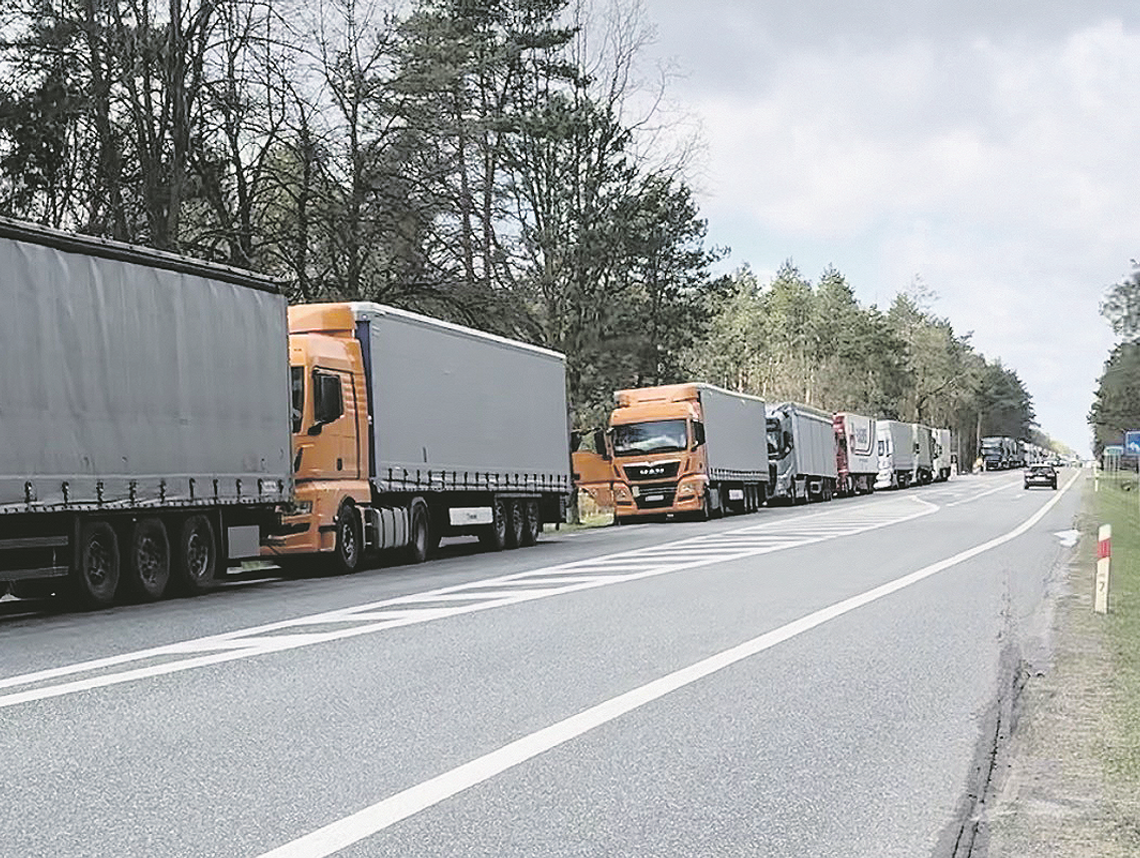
column 334, row 404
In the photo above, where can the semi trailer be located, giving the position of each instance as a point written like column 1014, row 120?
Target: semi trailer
column 896, row 443
column 802, row 446
column 856, row 457
column 408, row 429
column 164, row 417
column 944, row 458
column 687, row 448
column 923, row 454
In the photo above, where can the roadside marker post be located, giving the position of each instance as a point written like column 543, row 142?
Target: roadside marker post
column 1103, row 557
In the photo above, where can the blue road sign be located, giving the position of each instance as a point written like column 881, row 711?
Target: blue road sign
column 1132, row 442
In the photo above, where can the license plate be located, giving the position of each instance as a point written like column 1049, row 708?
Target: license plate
column 652, row 498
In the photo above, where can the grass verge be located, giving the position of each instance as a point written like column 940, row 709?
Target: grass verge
column 1118, row 504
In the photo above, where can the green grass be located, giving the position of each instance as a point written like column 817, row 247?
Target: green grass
column 1118, row 503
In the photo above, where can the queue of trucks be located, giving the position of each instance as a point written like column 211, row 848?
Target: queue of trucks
column 694, row 449
column 164, row 418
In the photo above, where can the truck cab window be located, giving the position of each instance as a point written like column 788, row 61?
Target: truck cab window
column 328, row 400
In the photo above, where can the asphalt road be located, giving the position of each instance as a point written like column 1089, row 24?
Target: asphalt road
column 823, row 680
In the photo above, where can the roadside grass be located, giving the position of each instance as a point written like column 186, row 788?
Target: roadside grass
column 1118, row 503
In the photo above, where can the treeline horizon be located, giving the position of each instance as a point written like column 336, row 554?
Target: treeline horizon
column 507, row 164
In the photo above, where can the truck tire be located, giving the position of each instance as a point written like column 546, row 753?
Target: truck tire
column 346, row 553
column 532, row 522
column 419, row 538
column 494, row 536
column 95, row 572
column 515, row 523
column 195, row 555
column 148, row 560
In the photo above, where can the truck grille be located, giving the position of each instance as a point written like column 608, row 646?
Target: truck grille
column 656, row 497
column 654, row 471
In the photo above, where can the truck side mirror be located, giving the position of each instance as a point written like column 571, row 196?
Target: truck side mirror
column 788, row 439
column 698, row 434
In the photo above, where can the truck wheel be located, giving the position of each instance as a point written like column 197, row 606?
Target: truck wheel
column 196, row 556
column 532, row 523
column 420, row 536
column 95, row 572
column 494, row 535
column 148, row 560
column 515, row 523
column 345, row 557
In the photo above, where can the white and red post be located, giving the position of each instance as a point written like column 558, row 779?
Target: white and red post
column 1103, row 557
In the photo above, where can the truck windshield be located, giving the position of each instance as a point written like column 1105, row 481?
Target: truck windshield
column 297, row 378
column 658, row 436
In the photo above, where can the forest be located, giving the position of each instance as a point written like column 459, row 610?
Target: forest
column 512, row 165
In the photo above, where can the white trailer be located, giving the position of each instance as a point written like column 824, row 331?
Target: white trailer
column 896, row 454
column 943, row 455
column 857, row 458
column 923, row 454
column 801, row 442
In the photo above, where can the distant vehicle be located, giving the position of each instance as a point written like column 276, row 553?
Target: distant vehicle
column 943, row 456
column 856, row 459
column 896, row 444
column 1041, row 475
column 687, row 448
column 802, row 447
column 923, row 454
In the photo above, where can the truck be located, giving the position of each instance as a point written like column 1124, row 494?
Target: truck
column 687, row 448
column 999, row 452
column 856, row 457
column 592, row 466
column 408, row 429
column 165, row 417
column 144, row 407
column 896, row 443
column 923, row 454
column 802, row 446
column 944, row 458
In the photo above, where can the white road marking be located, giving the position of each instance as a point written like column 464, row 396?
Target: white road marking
column 980, row 495
column 486, row 594
column 374, row 819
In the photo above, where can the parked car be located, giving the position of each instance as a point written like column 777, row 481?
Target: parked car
column 1041, row 475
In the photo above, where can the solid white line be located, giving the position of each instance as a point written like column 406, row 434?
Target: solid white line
column 374, row 819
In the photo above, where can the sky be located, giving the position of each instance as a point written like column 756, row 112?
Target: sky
column 989, row 149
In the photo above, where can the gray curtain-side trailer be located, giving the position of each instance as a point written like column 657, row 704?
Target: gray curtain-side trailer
column 476, row 424
column 803, row 441
column 144, row 410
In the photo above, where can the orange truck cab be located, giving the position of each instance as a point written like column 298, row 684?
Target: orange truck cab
column 593, row 466
column 687, row 448
column 408, row 429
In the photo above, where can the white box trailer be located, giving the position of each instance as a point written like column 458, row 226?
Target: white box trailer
column 462, row 415
column 801, row 441
column 923, row 454
column 943, row 455
column 896, row 454
column 857, row 457
column 144, row 411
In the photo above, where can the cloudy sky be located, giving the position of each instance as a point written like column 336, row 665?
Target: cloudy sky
column 989, row 148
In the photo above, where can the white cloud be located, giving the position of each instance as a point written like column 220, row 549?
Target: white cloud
column 996, row 163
